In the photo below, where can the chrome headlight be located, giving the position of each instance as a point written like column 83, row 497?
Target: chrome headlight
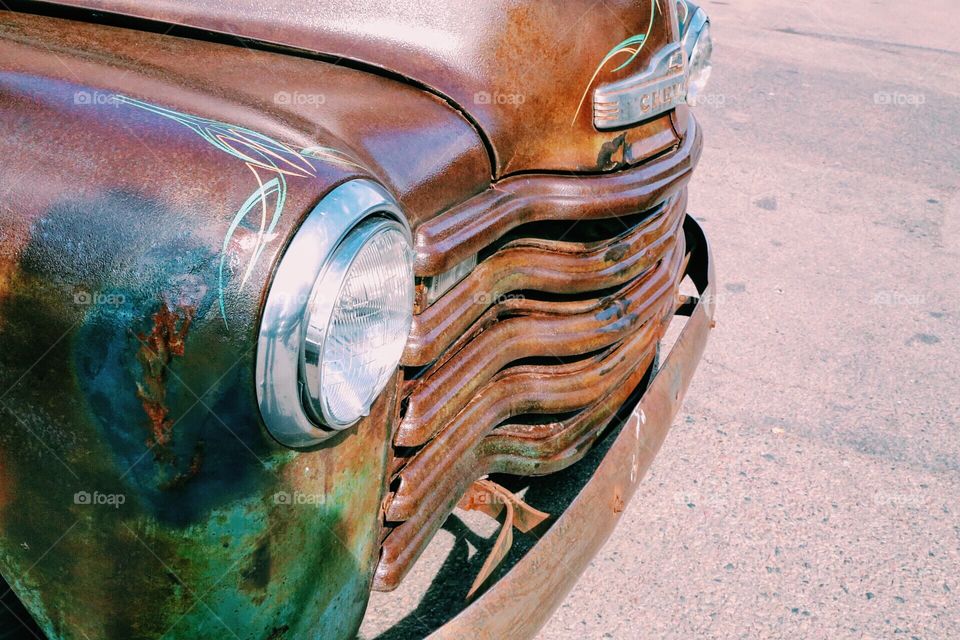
column 699, row 47
column 337, row 315
column 359, row 321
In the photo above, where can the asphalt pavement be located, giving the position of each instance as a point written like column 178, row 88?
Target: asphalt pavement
column 810, row 487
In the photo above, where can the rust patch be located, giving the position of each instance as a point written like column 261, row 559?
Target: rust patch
column 616, row 253
column 157, row 350
column 618, row 504
column 612, row 154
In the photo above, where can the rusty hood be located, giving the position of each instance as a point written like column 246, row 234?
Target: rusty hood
column 522, row 70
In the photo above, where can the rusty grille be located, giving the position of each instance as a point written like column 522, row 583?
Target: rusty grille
column 520, row 367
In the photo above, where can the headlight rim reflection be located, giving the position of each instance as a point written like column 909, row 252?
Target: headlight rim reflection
column 700, row 64
column 695, row 38
column 282, row 322
column 322, row 307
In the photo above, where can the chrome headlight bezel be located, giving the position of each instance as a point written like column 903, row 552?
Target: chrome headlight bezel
column 286, row 313
column 320, row 323
column 696, row 37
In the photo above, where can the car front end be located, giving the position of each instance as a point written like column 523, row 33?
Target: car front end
column 270, row 313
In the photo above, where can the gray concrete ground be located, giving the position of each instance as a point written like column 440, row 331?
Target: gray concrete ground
column 811, row 486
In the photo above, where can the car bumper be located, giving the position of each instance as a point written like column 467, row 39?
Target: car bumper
column 520, row 603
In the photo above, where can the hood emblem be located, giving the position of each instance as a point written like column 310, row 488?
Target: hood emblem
column 660, row 88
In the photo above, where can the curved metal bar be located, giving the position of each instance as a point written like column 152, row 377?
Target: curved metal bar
column 542, row 265
column 547, row 331
column 465, row 229
column 520, row 603
column 433, row 482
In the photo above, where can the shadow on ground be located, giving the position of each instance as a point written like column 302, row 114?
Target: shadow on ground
column 447, row 594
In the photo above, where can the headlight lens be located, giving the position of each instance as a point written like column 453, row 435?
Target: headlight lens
column 700, row 65
column 360, row 314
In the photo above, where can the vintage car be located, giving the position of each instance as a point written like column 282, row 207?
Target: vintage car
column 284, row 284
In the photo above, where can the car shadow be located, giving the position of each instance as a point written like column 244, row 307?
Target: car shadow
column 447, row 594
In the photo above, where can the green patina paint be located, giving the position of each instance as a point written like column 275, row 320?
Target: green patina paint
column 214, row 554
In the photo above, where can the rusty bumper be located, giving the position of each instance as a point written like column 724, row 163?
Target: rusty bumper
column 522, row 601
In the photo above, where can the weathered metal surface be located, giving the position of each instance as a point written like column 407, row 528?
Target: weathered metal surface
column 524, row 70
column 561, row 445
column 521, row 601
column 534, row 328
column 453, row 432
column 464, row 230
column 434, row 477
column 518, row 391
column 542, row 265
column 144, row 206
column 491, row 499
column 428, row 155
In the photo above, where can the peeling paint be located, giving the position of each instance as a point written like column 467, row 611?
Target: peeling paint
column 612, row 154
column 157, row 350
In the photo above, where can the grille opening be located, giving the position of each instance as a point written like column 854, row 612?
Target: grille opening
column 594, row 294
column 553, row 361
column 413, row 373
column 536, row 419
column 394, row 484
column 583, row 231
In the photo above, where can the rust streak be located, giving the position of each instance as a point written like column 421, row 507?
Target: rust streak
column 158, row 348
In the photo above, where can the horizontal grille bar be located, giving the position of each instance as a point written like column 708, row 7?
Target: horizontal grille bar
column 466, row 229
column 553, row 329
column 542, row 265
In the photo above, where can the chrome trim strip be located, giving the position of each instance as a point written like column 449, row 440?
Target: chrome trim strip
column 660, row 88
